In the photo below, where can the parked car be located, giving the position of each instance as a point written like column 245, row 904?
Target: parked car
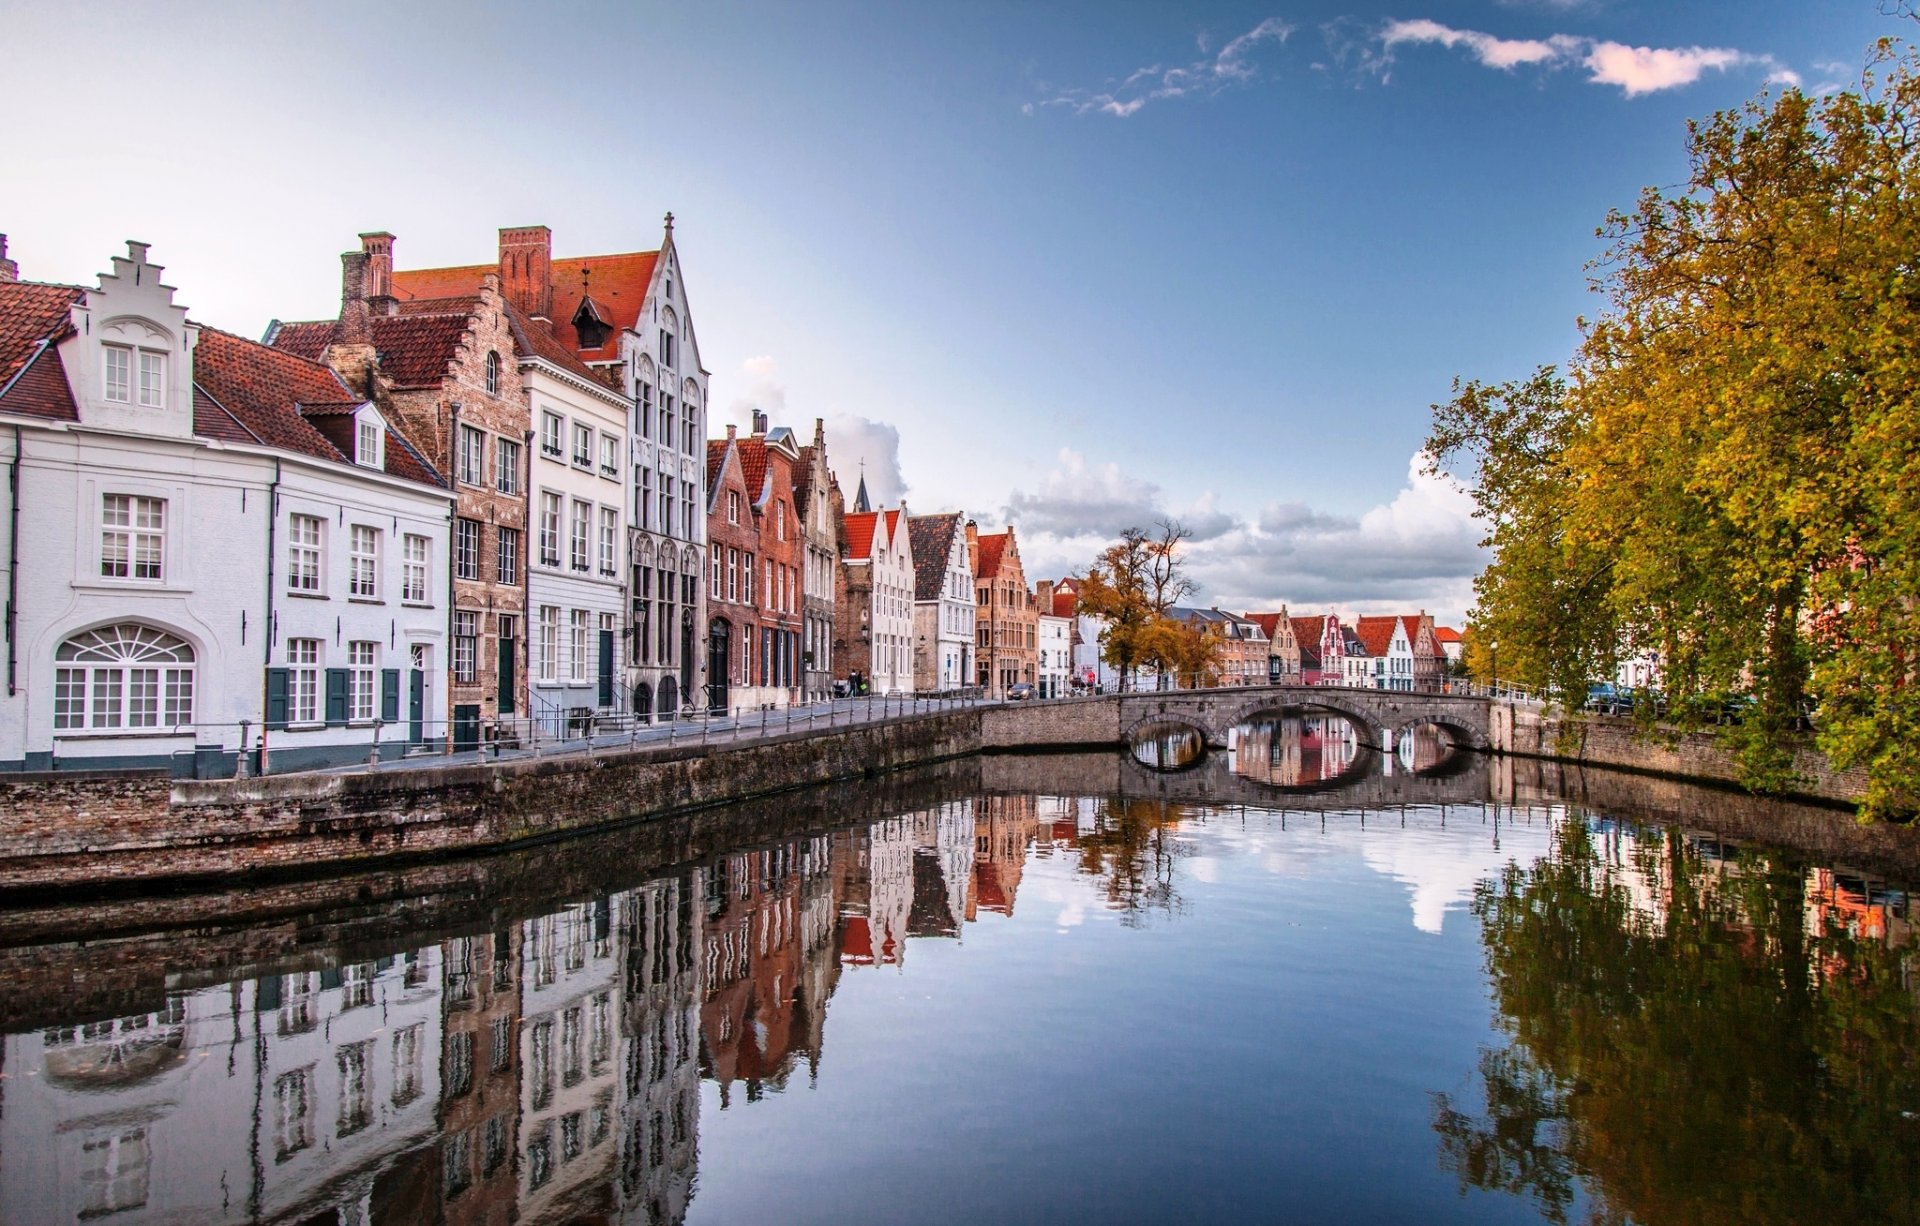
column 1020, row 691
column 1605, row 698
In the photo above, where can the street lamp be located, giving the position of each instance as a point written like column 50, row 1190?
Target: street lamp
column 1493, row 653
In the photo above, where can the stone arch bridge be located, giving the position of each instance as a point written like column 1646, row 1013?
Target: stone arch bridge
column 1378, row 717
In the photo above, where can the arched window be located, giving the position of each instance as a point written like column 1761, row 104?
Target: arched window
column 125, row 676
column 643, row 700
column 493, row 374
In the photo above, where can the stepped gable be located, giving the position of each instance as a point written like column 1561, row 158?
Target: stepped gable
column 34, row 318
column 859, row 529
column 932, row 539
column 415, row 343
column 619, row 284
column 1269, row 623
column 992, row 548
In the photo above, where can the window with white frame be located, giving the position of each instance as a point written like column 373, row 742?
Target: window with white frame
column 609, row 456
column 583, row 446
column 466, row 548
column 153, row 379
column 466, row 647
column 550, row 429
column 493, row 374
column 506, row 466
column 666, row 420
column 717, row 589
column 303, row 553
column 507, row 555
column 746, row 579
column 643, row 499
column 579, row 529
column 549, row 529
column 132, row 536
column 303, row 681
column 415, row 559
column 549, row 642
column 473, row 456
column 116, row 373
column 363, row 563
column 362, row 679
column 367, row 442
column 609, row 540
column 733, row 506
column 123, row 677
column 582, row 656
column 733, row 575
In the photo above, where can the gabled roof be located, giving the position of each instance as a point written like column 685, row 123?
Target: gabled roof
column 415, row 345
column 1446, row 634
column 986, row 564
column 1376, row 633
column 859, row 527
column 1269, row 623
column 753, row 466
column 619, row 289
column 932, row 539
column 535, row 339
column 716, row 460
column 33, row 317
column 1065, row 600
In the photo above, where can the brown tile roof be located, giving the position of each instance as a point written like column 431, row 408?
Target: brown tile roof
column 803, row 477
column 40, row 389
column 1446, row 634
column 716, row 463
column 1065, row 602
column 415, row 345
column 859, row 526
column 619, row 284
column 932, row 539
column 30, row 313
column 753, row 466
column 307, row 339
column 987, row 564
column 1309, row 633
column 1269, row 623
column 212, row 421
column 534, row 338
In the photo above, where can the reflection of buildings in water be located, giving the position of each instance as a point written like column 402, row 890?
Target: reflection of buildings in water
column 570, row 1002
column 1860, row 907
column 873, row 870
column 480, row 1075
column 1422, row 747
column 660, row 1090
column 1294, row 751
column 765, row 931
column 336, row 1073
column 1003, row 828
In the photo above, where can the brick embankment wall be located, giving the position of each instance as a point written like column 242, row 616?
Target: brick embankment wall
column 1598, row 740
column 1056, row 724
column 103, row 831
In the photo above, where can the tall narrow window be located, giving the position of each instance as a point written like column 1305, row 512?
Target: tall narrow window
column 116, row 373
column 666, row 420
column 549, row 642
column 363, row 575
column 666, row 503
column 645, row 410
column 508, row 555
column 413, row 584
column 153, row 379
column 493, row 374
column 473, row 456
column 303, row 681
column 643, row 500
column 582, row 627
column 609, row 456
column 367, row 439
column 466, row 549
column 506, row 466
column 609, row 540
column 466, row 647
column 717, row 589
column 579, row 530
column 362, row 659
column 549, row 529
column 303, row 554
column 550, row 425
column 132, row 536
column 583, row 446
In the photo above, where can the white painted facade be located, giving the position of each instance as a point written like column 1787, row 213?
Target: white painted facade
column 945, row 623
column 892, row 605
column 1056, row 655
column 577, row 577
column 668, row 496
column 154, row 596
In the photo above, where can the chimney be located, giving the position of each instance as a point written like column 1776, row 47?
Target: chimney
column 732, row 430
column 378, row 248
column 9, row 271
column 356, row 328
column 526, row 269
column 759, row 424
column 973, row 547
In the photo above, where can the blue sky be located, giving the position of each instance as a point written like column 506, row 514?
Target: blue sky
column 1077, row 265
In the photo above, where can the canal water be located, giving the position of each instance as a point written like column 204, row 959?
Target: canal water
column 1299, row 980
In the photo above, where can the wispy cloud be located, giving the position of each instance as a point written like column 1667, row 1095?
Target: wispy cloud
column 1233, row 64
column 1635, row 70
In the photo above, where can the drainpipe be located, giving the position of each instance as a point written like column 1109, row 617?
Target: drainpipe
column 453, row 603
column 266, row 643
column 13, row 572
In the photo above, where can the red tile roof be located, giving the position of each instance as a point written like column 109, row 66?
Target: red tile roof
column 859, row 528
column 716, row 457
column 619, row 284
column 1446, row 634
column 1064, row 602
column 415, row 345
column 753, row 466
column 1375, row 633
column 34, row 317
column 307, row 339
column 212, row 421
column 41, row 389
column 1269, row 623
column 987, row 564
column 535, row 338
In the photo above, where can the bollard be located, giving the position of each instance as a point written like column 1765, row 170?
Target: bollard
column 373, row 756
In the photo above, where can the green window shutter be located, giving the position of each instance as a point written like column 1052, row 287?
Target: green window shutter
column 276, row 698
column 390, row 695
column 336, row 696
column 606, row 668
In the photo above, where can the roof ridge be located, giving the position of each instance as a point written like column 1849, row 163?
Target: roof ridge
column 289, row 354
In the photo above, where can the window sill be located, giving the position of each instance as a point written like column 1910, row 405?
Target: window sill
column 308, row 596
column 417, row 604
column 121, row 734
column 365, row 600
column 131, row 585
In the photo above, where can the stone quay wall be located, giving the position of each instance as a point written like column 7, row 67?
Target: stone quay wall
column 1616, row 742
column 101, row 831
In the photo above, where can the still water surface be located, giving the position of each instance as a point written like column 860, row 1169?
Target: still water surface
column 1025, row 990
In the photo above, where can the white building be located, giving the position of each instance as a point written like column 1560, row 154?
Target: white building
column 1056, row 654
column 209, row 539
column 943, row 604
column 878, row 582
column 577, row 580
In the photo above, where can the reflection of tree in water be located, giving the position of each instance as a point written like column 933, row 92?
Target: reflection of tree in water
column 1686, row 1046
column 1133, row 846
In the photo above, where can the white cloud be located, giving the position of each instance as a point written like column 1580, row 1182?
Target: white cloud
column 1233, row 64
column 1643, row 70
column 1419, row 550
column 859, row 446
column 764, row 390
column 1491, row 51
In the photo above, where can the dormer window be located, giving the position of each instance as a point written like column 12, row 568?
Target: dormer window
column 121, row 385
column 368, row 440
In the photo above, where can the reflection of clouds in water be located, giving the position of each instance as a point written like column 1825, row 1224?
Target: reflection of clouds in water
column 1071, row 916
column 1204, row 868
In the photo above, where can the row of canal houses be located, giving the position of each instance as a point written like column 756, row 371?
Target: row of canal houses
column 1395, row 652
column 479, row 505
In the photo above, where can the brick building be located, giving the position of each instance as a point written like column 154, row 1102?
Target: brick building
column 814, row 494
column 1283, row 646
column 873, row 601
column 433, row 368
column 757, row 553
column 1006, row 620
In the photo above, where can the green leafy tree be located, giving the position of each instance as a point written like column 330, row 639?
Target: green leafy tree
column 1130, row 587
